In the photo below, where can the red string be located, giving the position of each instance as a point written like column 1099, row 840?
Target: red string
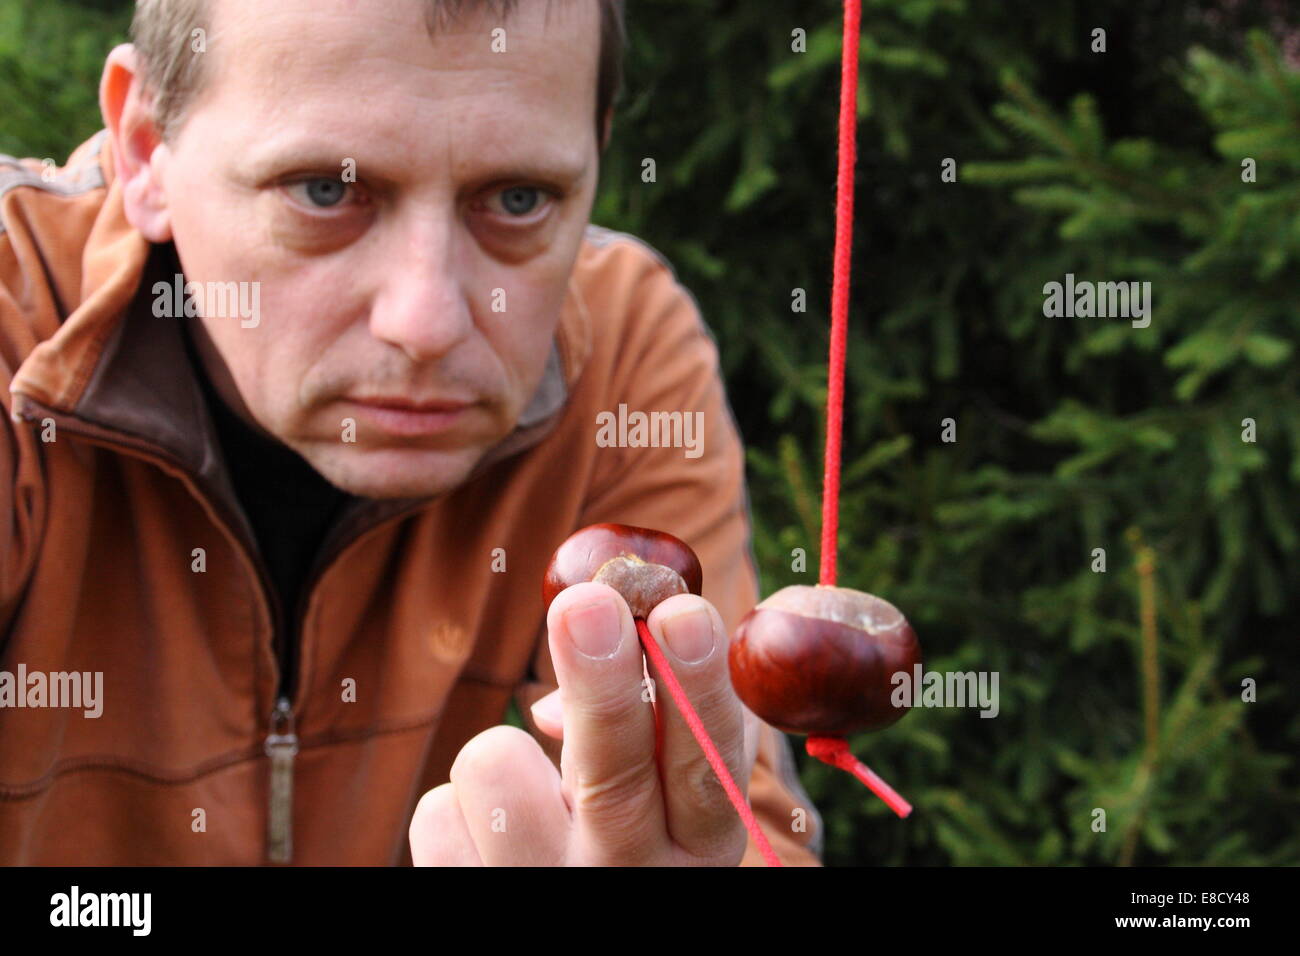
column 840, row 288
column 835, row 750
column 706, row 744
column 831, row 750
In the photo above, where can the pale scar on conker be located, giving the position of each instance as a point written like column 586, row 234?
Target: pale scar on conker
column 645, row 566
column 642, row 585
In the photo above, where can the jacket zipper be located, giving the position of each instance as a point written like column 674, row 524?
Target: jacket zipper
column 282, row 741
column 281, row 748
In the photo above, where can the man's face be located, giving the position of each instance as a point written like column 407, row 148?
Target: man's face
column 475, row 172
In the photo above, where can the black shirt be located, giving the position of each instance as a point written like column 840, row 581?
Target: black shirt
column 288, row 503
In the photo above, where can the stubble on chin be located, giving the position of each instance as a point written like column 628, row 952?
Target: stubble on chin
column 391, row 472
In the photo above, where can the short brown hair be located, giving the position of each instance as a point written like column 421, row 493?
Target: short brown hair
column 162, row 30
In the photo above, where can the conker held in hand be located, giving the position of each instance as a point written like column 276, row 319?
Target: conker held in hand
column 643, row 565
column 647, row 567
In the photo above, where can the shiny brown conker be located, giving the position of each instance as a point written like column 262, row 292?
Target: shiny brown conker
column 820, row 660
column 643, row 565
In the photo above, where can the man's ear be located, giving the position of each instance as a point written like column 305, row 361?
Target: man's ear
column 138, row 150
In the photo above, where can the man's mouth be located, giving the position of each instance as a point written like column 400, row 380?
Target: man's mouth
column 408, row 417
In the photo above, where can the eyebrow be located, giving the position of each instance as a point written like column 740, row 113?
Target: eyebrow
column 557, row 169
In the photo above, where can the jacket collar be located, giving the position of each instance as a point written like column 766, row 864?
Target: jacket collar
column 117, row 372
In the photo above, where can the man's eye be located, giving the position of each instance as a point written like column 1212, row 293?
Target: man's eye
column 321, row 192
column 518, row 200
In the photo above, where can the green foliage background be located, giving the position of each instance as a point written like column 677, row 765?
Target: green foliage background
column 1119, row 690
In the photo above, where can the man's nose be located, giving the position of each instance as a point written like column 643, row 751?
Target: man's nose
column 422, row 307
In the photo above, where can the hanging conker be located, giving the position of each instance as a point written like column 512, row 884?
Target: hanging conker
column 820, row 660
column 643, row 565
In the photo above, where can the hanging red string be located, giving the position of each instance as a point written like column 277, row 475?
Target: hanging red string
column 834, row 750
column 848, row 153
column 829, row 749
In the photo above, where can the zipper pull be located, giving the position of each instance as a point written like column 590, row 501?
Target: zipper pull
column 281, row 748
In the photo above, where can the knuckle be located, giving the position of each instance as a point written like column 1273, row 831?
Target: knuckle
column 431, row 813
column 719, row 707
column 434, row 802
column 720, row 710
column 613, row 705
column 488, row 757
column 703, row 789
column 629, row 786
column 617, row 804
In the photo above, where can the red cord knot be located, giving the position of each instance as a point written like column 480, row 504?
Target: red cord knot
column 827, row 749
column 835, row 751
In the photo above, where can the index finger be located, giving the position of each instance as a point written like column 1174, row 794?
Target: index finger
column 608, row 762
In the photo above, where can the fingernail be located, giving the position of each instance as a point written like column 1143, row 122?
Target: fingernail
column 595, row 629
column 690, row 635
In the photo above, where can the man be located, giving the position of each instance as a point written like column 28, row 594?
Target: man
column 304, row 356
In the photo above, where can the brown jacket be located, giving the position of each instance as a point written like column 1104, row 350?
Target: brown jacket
column 112, row 479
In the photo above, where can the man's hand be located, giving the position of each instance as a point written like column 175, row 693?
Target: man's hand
column 615, row 801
